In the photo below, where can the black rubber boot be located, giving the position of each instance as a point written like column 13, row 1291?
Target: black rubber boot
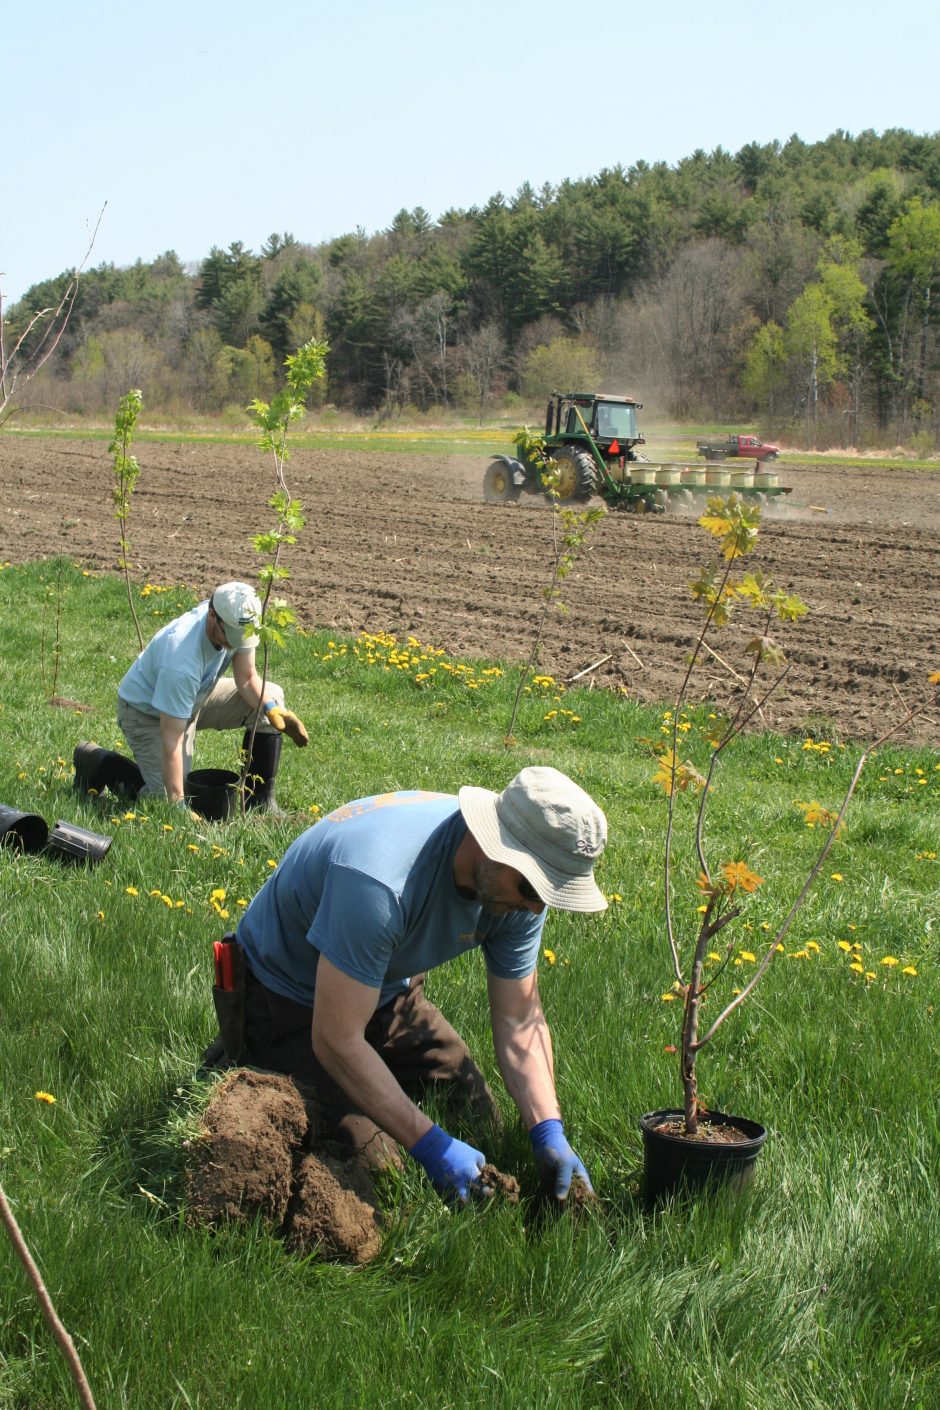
column 97, row 769
column 262, row 770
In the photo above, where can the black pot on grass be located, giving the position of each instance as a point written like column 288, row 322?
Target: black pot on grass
column 26, row 831
column 674, row 1162
column 77, row 845
column 212, row 793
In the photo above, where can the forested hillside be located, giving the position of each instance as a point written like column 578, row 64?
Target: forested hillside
column 791, row 283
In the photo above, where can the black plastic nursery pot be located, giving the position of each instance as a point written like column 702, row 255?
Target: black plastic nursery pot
column 27, row 832
column 213, row 793
column 673, row 1163
column 76, row 845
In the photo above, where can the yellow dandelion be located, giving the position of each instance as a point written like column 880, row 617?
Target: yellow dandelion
column 714, row 955
column 890, row 961
column 748, row 956
column 837, row 876
column 811, row 945
column 550, row 956
column 46, row 1097
column 191, row 847
column 856, row 967
column 909, row 969
column 844, row 945
column 241, row 901
column 668, row 998
column 870, row 974
column 218, row 894
column 101, row 915
column 131, row 891
column 272, row 862
column 167, row 827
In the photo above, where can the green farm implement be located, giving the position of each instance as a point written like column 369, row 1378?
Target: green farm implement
column 590, row 448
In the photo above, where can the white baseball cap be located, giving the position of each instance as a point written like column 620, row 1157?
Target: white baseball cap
column 238, row 608
column 548, row 828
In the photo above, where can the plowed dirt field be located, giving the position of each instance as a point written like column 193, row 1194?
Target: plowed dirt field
column 405, row 544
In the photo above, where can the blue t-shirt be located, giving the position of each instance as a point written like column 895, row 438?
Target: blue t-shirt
column 371, row 886
column 177, row 669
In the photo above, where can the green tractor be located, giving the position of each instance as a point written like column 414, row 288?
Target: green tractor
column 589, row 448
column 589, row 441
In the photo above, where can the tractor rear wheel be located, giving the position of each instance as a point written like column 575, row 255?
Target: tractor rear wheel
column 498, row 485
column 577, row 474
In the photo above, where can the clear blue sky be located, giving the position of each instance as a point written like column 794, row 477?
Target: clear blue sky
column 202, row 123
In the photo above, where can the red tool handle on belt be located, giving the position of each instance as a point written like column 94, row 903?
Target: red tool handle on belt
column 224, row 957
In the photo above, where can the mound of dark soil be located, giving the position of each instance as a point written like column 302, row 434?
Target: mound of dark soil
column 258, row 1157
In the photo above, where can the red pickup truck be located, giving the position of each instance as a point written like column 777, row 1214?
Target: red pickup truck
column 750, row 447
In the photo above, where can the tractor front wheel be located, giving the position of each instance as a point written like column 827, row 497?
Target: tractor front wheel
column 498, row 485
column 576, row 474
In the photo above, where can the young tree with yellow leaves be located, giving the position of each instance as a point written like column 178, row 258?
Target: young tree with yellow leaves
column 723, row 592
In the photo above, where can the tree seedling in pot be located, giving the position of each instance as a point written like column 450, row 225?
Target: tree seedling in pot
column 723, row 592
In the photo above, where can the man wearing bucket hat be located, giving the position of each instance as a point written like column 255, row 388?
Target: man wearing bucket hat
column 335, row 945
column 175, row 688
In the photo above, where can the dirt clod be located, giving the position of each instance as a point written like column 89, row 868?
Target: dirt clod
column 243, row 1166
column 333, row 1210
column 504, row 1187
column 255, row 1158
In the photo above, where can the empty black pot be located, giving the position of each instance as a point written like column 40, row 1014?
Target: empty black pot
column 76, row 844
column 97, row 768
column 27, row 831
column 212, row 793
column 673, row 1163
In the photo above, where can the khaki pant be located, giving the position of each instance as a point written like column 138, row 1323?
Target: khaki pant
column 223, row 708
column 410, row 1035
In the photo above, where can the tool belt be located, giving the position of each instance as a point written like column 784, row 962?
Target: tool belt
column 228, row 995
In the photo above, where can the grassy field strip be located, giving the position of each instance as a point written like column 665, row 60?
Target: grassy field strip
column 817, row 1291
column 667, row 445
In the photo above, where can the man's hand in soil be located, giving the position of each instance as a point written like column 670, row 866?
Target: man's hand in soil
column 558, row 1164
column 452, row 1167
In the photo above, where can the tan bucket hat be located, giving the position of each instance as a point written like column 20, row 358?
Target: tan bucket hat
column 548, row 828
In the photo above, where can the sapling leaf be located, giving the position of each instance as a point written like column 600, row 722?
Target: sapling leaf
column 766, row 649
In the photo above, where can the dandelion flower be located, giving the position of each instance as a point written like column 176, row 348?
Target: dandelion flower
column 837, row 876
column 714, row 955
column 668, row 998
column 46, row 1097
column 890, row 961
column 550, row 956
column 101, row 915
column 908, row 969
column 844, row 945
column 857, row 968
column 749, row 956
column 811, row 945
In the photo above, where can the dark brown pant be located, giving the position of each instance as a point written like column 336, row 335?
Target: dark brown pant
column 410, row 1035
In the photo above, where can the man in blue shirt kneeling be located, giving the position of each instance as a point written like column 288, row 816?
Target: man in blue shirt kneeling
column 337, row 942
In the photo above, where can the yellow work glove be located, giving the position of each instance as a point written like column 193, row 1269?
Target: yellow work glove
column 286, row 722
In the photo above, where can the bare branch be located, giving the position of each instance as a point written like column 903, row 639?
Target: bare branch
column 66, row 1345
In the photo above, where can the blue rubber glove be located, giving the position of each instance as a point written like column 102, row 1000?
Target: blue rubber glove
column 452, row 1167
column 557, row 1162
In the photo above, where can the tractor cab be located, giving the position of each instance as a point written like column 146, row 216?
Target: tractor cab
column 607, row 420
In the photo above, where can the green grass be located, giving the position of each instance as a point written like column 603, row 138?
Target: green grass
column 663, row 442
column 817, row 1289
